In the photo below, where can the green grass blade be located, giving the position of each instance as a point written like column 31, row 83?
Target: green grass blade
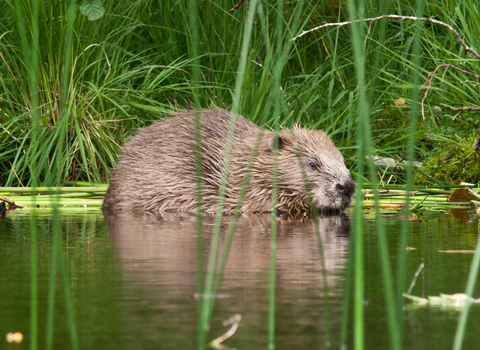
column 402, row 258
column 472, row 279
column 205, row 312
column 273, row 248
column 193, row 49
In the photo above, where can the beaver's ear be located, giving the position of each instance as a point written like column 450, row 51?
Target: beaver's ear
column 284, row 141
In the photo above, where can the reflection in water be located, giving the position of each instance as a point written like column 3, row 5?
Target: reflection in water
column 159, row 258
column 133, row 288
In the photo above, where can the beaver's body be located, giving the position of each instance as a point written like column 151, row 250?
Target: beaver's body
column 156, row 171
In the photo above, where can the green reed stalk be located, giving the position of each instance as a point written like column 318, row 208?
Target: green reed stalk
column 52, row 178
column 348, row 293
column 321, row 253
column 402, row 258
column 365, row 148
column 30, row 54
column 65, row 108
column 273, row 230
column 233, row 221
column 34, row 283
column 326, row 293
column 33, row 79
column 472, row 279
column 357, row 213
column 57, row 256
column 359, row 268
column 384, row 10
column 273, row 244
column 316, row 228
column 51, row 289
column 58, row 246
column 193, row 51
column 205, row 312
column 53, row 189
column 51, row 299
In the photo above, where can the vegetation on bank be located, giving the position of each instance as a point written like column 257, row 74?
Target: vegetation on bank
column 89, row 85
column 84, row 196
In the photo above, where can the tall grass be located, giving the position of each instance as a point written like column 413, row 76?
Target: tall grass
column 134, row 65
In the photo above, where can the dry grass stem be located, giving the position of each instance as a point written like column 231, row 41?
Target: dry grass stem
column 237, row 6
column 235, row 322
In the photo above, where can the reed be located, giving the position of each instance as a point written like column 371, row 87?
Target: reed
column 462, row 320
column 205, row 315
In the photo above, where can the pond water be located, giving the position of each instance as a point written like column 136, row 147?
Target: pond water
column 133, row 281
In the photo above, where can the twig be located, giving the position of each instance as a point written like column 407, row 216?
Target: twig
column 475, row 84
column 429, row 82
column 234, row 321
column 16, row 174
column 12, row 203
column 460, row 109
column 425, row 19
column 431, row 75
column 414, row 279
column 258, row 64
column 473, row 108
column 237, row 6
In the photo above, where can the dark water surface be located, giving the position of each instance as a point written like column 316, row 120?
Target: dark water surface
column 133, row 281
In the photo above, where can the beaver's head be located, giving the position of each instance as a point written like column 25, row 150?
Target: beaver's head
column 311, row 155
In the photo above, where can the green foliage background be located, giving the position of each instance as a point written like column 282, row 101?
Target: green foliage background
column 133, row 65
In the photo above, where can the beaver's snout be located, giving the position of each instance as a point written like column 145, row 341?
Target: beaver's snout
column 347, row 188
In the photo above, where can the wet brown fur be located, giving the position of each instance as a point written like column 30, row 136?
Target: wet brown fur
column 156, row 172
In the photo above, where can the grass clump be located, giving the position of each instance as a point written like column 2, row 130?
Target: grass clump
column 452, row 160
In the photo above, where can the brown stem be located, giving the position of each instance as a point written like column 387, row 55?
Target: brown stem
column 237, row 6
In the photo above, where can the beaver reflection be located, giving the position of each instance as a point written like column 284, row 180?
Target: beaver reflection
column 159, row 259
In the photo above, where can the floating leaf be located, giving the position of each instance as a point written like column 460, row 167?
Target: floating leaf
column 93, row 9
column 448, row 301
column 415, row 299
column 453, row 251
column 463, row 195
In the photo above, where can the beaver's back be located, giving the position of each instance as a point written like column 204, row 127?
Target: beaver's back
column 156, row 171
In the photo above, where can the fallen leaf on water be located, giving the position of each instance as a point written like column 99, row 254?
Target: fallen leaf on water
column 453, row 251
column 463, row 195
column 457, row 300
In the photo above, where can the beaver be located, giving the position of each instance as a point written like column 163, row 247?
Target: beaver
column 157, row 170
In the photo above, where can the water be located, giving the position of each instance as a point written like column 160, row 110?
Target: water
column 133, row 281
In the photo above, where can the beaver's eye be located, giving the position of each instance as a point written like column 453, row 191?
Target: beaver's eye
column 312, row 165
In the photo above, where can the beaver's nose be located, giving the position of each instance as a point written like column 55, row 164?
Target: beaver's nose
column 347, row 188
